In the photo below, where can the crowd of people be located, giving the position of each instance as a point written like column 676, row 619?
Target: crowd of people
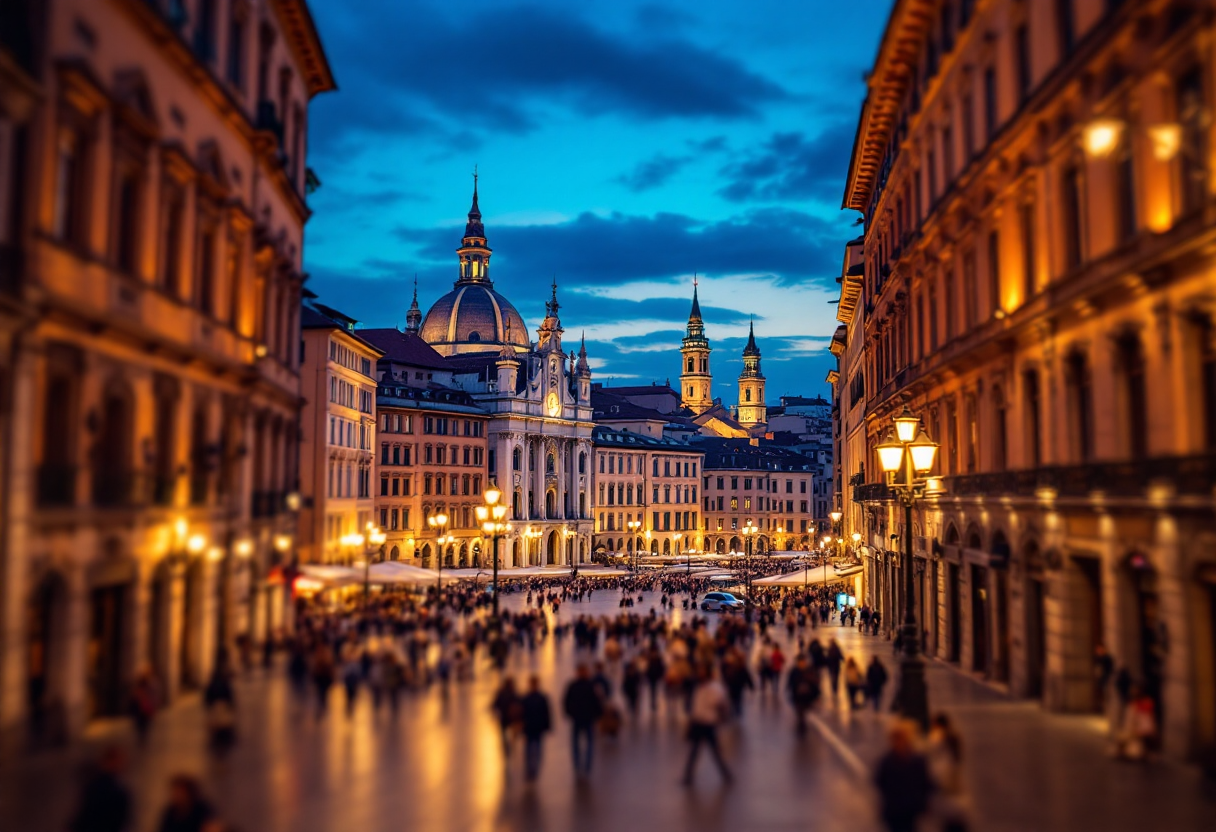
column 699, row 670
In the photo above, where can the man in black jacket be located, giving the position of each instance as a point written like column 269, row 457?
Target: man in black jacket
column 584, row 708
column 536, row 723
column 105, row 803
column 903, row 781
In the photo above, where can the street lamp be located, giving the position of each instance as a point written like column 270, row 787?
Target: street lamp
column 439, row 522
column 907, row 457
column 566, row 545
column 856, row 540
column 646, row 534
column 633, row 526
column 749, row 529
column 492, row 517
column 375, row 539
column 677, row 539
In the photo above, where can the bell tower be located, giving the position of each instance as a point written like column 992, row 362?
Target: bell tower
column 474, row 254
column 752, row 411
column 696, row 384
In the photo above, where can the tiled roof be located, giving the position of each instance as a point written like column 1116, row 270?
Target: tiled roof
column 405, row 348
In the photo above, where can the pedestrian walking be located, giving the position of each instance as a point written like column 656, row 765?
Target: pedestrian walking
column 145, row 698
column 945, row 755
column 876, row 680
column 583, row 707
column 802, row 686
column 833, row 659
column 903, row 781
column 709, row 709
column 219, row 702
column 854, row 683
column 738, row 679
column 537, row 721
column 509, row 711
column 322, row 675
column 631, row 685
column 187, row 811
column 352, row 674
column 105, row 802
column 656, row 670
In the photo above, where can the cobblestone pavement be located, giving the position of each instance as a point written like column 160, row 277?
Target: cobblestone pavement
column 440, row 765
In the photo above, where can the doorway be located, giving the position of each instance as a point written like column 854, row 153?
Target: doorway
column 954, row 611
column 979, row 619
column 1090, row 570
column 105, row 650
column 1036, row 642
column 158, row 625
column 44, row 641
column 1000, row 657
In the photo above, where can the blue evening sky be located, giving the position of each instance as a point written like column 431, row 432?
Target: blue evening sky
column 623, row 146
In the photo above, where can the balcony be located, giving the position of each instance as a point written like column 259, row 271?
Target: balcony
column 1187, row 475
column 56, row 486
column 874, row 492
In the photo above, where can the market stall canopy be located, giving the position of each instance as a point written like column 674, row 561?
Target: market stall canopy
column 804, row 577
column 396, row 573
column 328, row 576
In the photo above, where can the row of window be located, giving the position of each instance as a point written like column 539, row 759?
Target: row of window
column 344, row 356
column 348, row 479
column 771, row 486
column 345, row 394
column 762, row 504
column 763, row 525
column 349, row 434
column 626, row 464
column 661, row 521
column 392, row 453
column 441, row 426
column 455, row 484
column 624, row 494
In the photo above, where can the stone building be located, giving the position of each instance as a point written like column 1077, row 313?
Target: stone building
column 1038, row 287
column 751, row 411
column 696, row 380
column 152, row 196
column 746, row 480
column 537, row 397
column 338, row 437
column 647, row 479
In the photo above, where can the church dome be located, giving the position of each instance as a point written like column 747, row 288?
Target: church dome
column 473, row 318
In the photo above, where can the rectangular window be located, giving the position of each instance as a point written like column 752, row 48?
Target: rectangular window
column 1125, row 178
column 968, row 116
column 990, row 102
column 1029, row 254
column 1070, row 207
column 1021, row 49
column 994, row 271
column 126, row 221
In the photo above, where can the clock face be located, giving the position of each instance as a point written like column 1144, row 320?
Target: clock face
column 553, row 404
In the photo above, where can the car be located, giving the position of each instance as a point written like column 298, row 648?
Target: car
column 720, row 602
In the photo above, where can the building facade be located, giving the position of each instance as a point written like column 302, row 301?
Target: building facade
column 649, row 480
column 433, row 461
column 338, row 428
column 770, row 486
column 1037, row 286
column 152, row 180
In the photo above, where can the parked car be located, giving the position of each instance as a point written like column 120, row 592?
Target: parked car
column 720, row 602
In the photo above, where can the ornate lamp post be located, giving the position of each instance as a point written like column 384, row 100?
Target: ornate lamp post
column 565, row 544
column 907, row 457
column 492, row 517
column 375, row 540
column 749, row 529
column 633, row 526
column 438, row 522
column 856, row 540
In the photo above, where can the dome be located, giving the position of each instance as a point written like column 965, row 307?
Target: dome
column 473, row 318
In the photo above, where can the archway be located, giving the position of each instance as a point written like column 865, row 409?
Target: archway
column 1146, row 643
column 736, row 545
column 973, row 538
column 448, row 551
column 44, row 644
column 1000, row 602
column 550, row 504
column 159, row 626
column 552, row 547
column 464, row 555
column 720, row 546
column 426, row 556
column 189, row 664
column 654, row 546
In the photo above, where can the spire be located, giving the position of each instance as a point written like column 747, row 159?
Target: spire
column 695, row 315
column 551, row 306
column 474, row 228
column 583, row 367
column 413, row 318
column 751, row 348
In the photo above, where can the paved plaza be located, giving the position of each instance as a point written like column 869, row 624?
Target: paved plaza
column 440, row 765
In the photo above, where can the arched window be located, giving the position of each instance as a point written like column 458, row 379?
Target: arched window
column 690, row 365
column 747, row 395
column 517, row 460
column 582, row 463
column 550, row 463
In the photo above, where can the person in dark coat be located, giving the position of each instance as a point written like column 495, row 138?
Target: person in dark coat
column 105, row 803
column 876, row 680
column 833, row 659
column 903, row 781
column 537, row 722
column 802, row 684
column 506, row 707
column 584, row 707
column 631, row 686
column 187, row 810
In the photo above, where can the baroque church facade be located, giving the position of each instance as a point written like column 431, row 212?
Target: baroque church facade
column 538, row 400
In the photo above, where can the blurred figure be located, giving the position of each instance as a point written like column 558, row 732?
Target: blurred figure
column 322, row 675
column 945, row 756
column 631, row 685
column 105, row 803
column 1137, row 733
column 802, row 686
column 219, row 700
column 854, row 683
column 876, row 680
column 583, row 707
column 709, row 709
column 145, row 699
column 508, row 710
column 187, row 810
column 537, row 721
column 903, row 781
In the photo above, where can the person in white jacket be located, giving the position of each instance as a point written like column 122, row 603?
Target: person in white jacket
column 710, row 706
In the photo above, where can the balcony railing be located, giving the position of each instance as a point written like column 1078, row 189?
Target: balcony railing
column 1194, row 475
column 874, row 492
column 56, row 485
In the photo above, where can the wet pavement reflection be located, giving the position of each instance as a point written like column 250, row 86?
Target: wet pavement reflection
column 439, row 765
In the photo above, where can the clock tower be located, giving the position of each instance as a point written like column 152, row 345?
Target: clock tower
column 696, row 384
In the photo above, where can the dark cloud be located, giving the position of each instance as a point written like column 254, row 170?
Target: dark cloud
column 422, row 68
column 791, row 245
column 791, row 166
column 653, row 173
